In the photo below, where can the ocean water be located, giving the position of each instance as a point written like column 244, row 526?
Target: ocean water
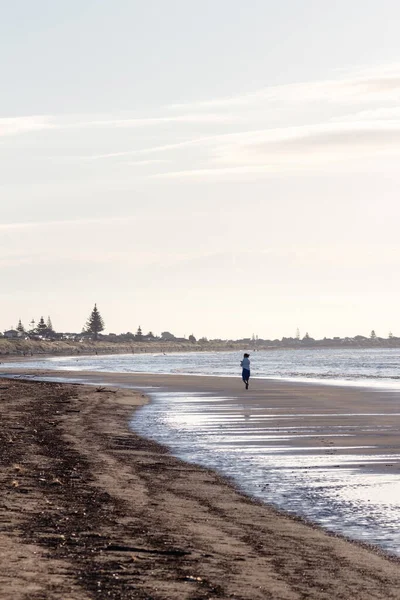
column 354, row 366
column 350, row 490
column 346, row 489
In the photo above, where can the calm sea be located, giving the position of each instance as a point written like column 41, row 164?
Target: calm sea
column 355, row 367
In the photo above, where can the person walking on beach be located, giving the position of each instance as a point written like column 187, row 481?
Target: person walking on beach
column 245, row 364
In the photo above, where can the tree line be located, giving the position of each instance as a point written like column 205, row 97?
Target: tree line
column 94, row 326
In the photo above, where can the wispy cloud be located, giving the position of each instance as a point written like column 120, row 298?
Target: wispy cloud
column 61, row 223
column 292, row 150
column 201, row 174
column 197, row 141
column 86, row 222
column 390, row 113
column 196, row 118
column 19, row 125
column 143, row 163
column 323, row 142
column 28, row 124
column 360, row 87
column 292, row 127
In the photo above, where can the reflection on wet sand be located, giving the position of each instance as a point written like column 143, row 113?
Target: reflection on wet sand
column 340, row 469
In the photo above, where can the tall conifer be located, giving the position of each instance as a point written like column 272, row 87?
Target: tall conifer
column 20, row 327
column 49, row 324
column 41, row 326
column 95, row 323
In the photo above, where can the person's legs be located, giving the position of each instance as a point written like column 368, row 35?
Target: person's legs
column 246, row 377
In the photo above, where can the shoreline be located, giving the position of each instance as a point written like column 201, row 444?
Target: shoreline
column 16, row 350
column 372, row 382
column 236, row 544
column 337, row 383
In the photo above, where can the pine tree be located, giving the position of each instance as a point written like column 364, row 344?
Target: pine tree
column 139, row 334
column 373, row 335
column 49, row 325
column 20, row 327
column 41, row 326
column 390, row 336
column 297, row 334
column 95, row 323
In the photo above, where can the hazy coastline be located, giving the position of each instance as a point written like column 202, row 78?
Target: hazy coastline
column 11, row 348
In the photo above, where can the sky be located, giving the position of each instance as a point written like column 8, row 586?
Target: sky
column 216, row 167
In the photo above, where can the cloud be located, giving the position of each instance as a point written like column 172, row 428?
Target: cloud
column 60, row 223
column 151, row 161
column 359, row 87
column 19, row 125
column 200, row 118
column 309, row 122
column 295, row 149
column 30, row 124
column 391, row 113
column 197, row 141
column 201, row 174
column 85, row 222
column 290, row 127
column 327, row 142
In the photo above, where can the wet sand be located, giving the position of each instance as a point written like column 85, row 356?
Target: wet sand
column 370, row 415
column 89, row 509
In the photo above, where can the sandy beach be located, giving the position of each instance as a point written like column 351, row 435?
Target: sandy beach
column 91, row 510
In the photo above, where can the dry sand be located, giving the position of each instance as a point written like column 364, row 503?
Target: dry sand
column 91, row 510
